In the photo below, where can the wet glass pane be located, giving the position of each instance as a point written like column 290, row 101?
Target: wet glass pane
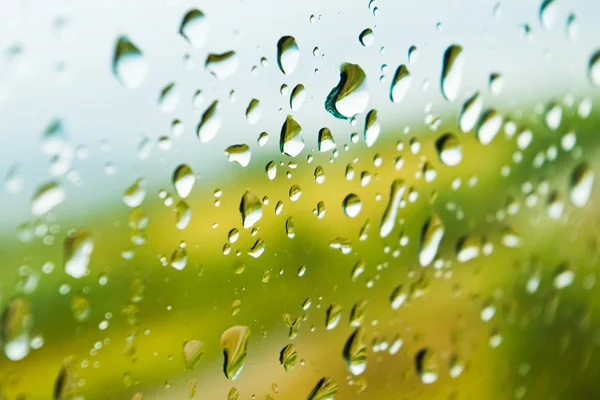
column 315, row 200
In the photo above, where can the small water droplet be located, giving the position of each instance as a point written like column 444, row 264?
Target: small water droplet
column 253, row 112
column 77, row 251
column 452, row 66
column 326, row 141
column 367, row 37
column 183, row 180
column 431, row 236
column 470, row 113
column 388, row 220
column 355, row 352
column 250, row 209
column 400, row 84
column 297, row 97
column 582, row 181
column 333, row 316
column 372, row 128
column 209, row 124
column 449, row 149
column 291, row 142
column 352, row 205
column 594, row 68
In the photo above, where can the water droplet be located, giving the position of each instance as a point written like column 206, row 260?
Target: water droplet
column 431, row 236
column 233, row 394
column 452, row 66
column 449, row 149
column 193, row 351
column 426, row 366
column 333, row 316
column 80, row 305
column 234, row 342
column 287, row 357
column 290, row 228
column 129, row 65
column 572, row 28
column 222, row 65
column 297, row 97
column 77, row 251
column 295, row 192
column 15, row 328
column 563, row 277
column 168, row 99
column 355, row 352
column 183, row 180
column 467, row 249
column 325, row 389
column 470, row 113
column 372, row 128
column 250, row 209
column 194, row 28
column 47, row 196
column 391, row 211
column 239, row 153
column 555, row 206
column 179, row 258
column 398, row 297
column 209, row 124
column 352, row 205
column 400, row 84
column 594, row 68
column 291, row 142
column 489, row 126
column 66, row 384
column 326, row 141
column 553, row 116
column 548, row 12
column 288, row 54
column 496, row 83
column 358, row 313
column 351, row 94
column 253, row 112
column 367, row 37
column 582, row 180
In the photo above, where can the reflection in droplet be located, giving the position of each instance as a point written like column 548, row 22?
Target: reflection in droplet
column 582, row 181
column 288, row 54
column 291, row 142
column 234, row 343
column 452, row 66
column 355, row 352
column 194, row 28
column 351, row 94
column 183, row 180
column 431, row 236
column 77, row 251
column 222, row 65
column 209, row 124
column 129, row 65
column 400, row 84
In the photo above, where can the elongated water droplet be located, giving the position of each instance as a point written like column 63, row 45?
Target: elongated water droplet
column 222, row 65
column 355, row 352
column 257, row 249
column 431, row 236
column 193, row 351
column 290, row 228
column 426, row 366
column 253, row 112
column 77, row 251
column 250, row 209
column 351, row 94
column 15, row 328
column 388, row 220
column 449, row 149
column 288, row 54
column 129, row 65
column 325, row 389
column 183, row 214
column 470, row 113
column 452, row 66
column 46, row 198
column 333, row 316
column 297, row 97
column 398, row 297
column 66, row 384
column 594, row 68
column 234, row 343
column 366, row 37
column 168, row 99
column 287, row 357
column 467, row 249
column 496, row 83
column 291, row 142
column 194, row 28
column 326, row 141
column 548, row 12
column 352, row 205
column 489, row 126
column 582, row 181
column 233, row 394
column 183, row 180
column 358, row 313
column 553, row 116
column 239, row 153
column 209, row 124
column 400, row 84
column 372, row 128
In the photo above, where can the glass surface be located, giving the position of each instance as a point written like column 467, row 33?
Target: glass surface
column 299, row 199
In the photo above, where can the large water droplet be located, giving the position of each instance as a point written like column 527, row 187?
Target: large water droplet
column 431, row 236
column 183, row 180
column 250, row 209
column 391, row 211
column 352, row 205
column 582, row 181
column 77, row 251
column 193, row 351
column 129, row 65
column 470, row 113
column 400, row 84
column 351, row 94
column 222, row 65
column 291, row 142
column 234, row 343
column 287, row 357
column 194, row 28
column 46, row 198
column 452, row 66
column 209, row 124
column 355, row 352
column 449, row 149
column 288, row 54
column 15, row 328
column 325, row 389
column 372, row 128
